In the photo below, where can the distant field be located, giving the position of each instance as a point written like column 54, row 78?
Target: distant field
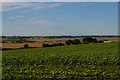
column 19, row 45
column 85, row 61
column 31, row 44
column 10, row 40
column 9, row 43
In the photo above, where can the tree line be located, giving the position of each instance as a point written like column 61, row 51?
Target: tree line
column 86, row 40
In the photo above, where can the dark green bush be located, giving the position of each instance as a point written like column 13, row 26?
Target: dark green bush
column 52, row 45
column 76, row 41
column 21, row 41
column 69, row 42
column 26, row 46
column 45, row 45
column 61, row 44
column 18, row 41
column 3, row 42
column 100, row 41
column 87, row 40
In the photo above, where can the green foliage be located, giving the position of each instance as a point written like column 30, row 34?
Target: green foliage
column 83, row 61
column 87, row 40
column 3, row 41
column 14, row 41
column 51, row 45
column 61, row 44
column 26, row 46
column 21, row 41
column 69, row 42
column 45, row 45
column 18, row 41
column 76, row 41
column 6, row 41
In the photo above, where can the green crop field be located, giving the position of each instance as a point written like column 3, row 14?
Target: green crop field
column 84, row 61
column 9, row 40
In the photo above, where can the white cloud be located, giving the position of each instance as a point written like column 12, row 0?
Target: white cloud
column 44, row 23
column 7, row 6
column 16, row 17
column 60, row 0
column 36, row 21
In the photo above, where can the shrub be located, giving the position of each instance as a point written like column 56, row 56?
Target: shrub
column 105, row 40
column 100, row 41
column 45, row 45
column 61, row 44
column 69, row 42
column 56, row 44
column 76, row 41
column 21, row 41
column 3, row 42
column 18, row 42
column 26, row 46
column 87, row 40
column 94, row 41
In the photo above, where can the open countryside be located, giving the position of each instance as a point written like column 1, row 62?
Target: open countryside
column 60, row 40
column 84, row 61
column 14, row 43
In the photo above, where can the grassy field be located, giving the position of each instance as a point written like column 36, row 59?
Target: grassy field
column 10, row 40
column 83, row 61
column 10, row 45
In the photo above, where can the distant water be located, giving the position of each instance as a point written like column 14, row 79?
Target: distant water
column 108, row 39
column 48, row 39
column 61, row 39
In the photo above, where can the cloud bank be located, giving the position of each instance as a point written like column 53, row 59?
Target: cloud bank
column 7, row 6
column 16, row 17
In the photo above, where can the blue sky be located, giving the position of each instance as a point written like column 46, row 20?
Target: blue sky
column 59, row 0
column 80, row 18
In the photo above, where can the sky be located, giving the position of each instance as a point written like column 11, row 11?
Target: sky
column 59, row 18
column 59, row 0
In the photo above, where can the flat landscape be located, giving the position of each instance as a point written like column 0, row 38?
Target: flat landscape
column 11, row 43
column 60, row 40
column 85, row 61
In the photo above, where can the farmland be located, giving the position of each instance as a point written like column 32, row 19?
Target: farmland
column 85, row 61
column 12, row 44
